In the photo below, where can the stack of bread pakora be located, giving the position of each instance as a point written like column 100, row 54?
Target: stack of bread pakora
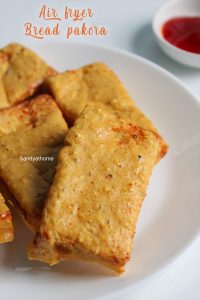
column 85, row 202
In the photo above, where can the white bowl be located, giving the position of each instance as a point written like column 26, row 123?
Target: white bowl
column 176, row 8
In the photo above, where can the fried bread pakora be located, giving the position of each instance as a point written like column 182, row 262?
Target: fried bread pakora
column 3, row 67
column 6, row 227
column 21, row 72
column 73, row 90
column 32, row 129
column 98, row 189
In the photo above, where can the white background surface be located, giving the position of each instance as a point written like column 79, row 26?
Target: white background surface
column 129, row 25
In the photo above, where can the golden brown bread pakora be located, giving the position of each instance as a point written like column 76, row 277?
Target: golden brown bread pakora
column 21, row 72
column 3, row 67
column 6, row 228
column 31, row 129
column 97, row 83
column 98, row 189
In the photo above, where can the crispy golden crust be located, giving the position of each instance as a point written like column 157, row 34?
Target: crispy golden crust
column 100, row 183
column 3, row 67
column 31, row 129
column 6, row 228
column 97, row 83
column 21, row 72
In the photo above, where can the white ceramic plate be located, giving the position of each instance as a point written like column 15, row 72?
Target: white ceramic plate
column 170, row 218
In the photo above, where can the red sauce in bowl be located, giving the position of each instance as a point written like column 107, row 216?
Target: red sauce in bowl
column 183, row 32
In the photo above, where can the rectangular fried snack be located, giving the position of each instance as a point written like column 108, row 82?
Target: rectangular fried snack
column 6, row 227
column 98, row 189
column 73, row 90
column 30, row 129
column 21, row 72
column 3, row 67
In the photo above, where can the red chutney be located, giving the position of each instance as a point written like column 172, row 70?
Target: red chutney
column 183, row 32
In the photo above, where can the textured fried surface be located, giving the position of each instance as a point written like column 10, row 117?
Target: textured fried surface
column 3, row 67
column 21, row 72
column 97, row 83
column 100, row 183
column 6, row 228
column 33, row 128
